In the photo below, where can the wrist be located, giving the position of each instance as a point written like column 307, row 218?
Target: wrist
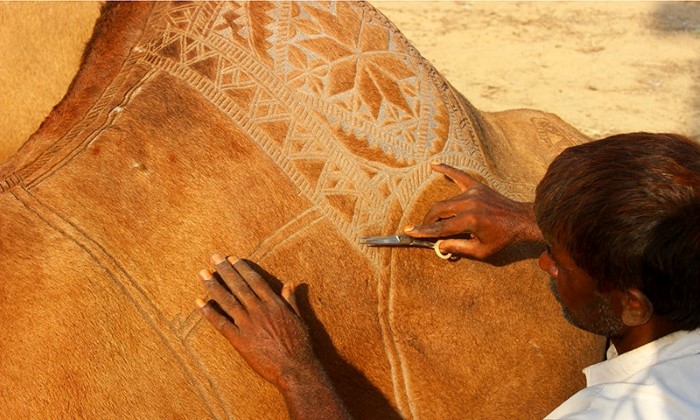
column 528, row 231
column 311, row 375
column 309, row 394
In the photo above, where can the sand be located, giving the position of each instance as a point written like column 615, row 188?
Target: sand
column 605, row 67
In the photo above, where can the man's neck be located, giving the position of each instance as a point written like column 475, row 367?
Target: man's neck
column 638, row 336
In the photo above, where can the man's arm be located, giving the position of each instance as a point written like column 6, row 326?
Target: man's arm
column 270, row 335
column 487, row 220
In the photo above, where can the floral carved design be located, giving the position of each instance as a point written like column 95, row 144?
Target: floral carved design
column 350, row 61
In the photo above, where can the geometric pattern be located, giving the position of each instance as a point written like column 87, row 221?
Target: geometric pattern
column 331, row 91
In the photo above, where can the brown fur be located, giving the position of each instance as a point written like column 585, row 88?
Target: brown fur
column 199, row 127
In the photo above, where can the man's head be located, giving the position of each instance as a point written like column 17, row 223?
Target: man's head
column 624, row 211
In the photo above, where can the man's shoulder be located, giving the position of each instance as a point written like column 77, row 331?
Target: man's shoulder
column 665, row 388
column 657, row 397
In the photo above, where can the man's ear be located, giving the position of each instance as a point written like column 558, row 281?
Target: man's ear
column 636, row 308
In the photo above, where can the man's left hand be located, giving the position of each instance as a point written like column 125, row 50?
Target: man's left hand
column 265, row 328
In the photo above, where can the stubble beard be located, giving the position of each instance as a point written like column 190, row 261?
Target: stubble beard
column 597, row 317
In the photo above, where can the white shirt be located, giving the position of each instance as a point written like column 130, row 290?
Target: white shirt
column 660, row 380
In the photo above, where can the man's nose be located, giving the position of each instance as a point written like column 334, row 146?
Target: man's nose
column 547, row 264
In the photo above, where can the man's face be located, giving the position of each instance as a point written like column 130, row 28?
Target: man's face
column 582, row 305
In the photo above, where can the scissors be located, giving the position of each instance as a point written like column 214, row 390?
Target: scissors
column 404, row 240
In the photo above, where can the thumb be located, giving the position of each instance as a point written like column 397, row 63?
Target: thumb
column 288, row 294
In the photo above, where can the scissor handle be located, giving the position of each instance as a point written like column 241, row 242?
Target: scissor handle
column 436, row 247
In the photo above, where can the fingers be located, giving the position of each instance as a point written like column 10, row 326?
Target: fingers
column 462, row 225
column 216, row 291
column 289, row 295
column 441, row 210
column 222, row 324
column 469, row 247
column 461, row 178
column 465, row 247
column 255, row 281
column 233, row 279
column 248, row 290
column 269, row 336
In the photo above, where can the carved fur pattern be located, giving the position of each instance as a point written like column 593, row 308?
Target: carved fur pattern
column 278, row 132
column 379, row 115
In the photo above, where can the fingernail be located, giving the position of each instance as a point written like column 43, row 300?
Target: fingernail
column 435, row 163
column 233, row 260
column 217, row 258
column 205, row 274
column 408, row 228
column 200, row 303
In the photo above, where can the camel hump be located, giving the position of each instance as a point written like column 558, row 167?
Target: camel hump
column 525, row 141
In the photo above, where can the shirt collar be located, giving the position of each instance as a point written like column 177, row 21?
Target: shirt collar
column 617, row 368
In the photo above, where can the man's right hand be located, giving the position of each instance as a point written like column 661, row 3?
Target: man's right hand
column 485, row 220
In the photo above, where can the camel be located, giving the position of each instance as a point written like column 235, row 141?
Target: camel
column 278, row 132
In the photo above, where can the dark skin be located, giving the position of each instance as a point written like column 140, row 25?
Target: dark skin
column 628, row 318
column 272, row 338
column 490, row 220
column 269, row 334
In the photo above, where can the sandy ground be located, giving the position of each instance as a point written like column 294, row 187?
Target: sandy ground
column 604, row 67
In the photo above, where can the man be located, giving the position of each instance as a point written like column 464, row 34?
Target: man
column 621, row 221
